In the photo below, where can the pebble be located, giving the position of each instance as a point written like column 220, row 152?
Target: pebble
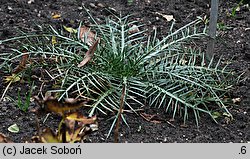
column 2, row 46
column 134, row 29
column 92, row 5
column 10, row 8
column 165, row 139
column 31, row 1
column 80, row 8
column 102, row 139
column 100, row 5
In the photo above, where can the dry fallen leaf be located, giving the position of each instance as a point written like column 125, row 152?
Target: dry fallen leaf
column 89, row 54
column 51, row 104
column 21, row 65
column 4, row 139
column 70, row 124
column 79, row 117
column 86, row 35
column 48, row 136
column 70, row 30
column 76, row 128
column 72, row 136
column 151, row 118
column 13, row 78
column 133, row 29
column 56, row 16
column 167, row 17
column 53, row 40
column 236, row 100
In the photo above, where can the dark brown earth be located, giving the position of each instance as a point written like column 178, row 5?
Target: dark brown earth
column 233, row 42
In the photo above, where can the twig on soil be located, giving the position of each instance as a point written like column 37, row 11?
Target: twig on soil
column 170, row 124
column 5, row 91
column 149, row 118
column 119, row 114
column 46, row 118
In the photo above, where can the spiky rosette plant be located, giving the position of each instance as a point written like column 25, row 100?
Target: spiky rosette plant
column 133, row 67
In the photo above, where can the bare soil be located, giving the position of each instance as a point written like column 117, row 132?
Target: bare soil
column 233, row 42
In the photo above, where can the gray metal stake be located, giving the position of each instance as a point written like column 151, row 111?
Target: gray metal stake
column 212, row 28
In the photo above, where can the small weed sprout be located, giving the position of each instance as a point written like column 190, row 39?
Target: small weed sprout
column 233, row 14
column 25, row 105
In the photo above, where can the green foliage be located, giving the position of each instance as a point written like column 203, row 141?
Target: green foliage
column 130, row 2
column 223, row 27
column 25, row 105
column 233, row 14
column 165, row 73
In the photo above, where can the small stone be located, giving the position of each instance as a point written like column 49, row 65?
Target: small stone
column 31, row 1
column 10, row 8
column 133, row 29
column 80, row 8
column 165, row 139
column 102, row 139
column 2, row 46
column 100, row 5
column 92, row 5
column 112, row 9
